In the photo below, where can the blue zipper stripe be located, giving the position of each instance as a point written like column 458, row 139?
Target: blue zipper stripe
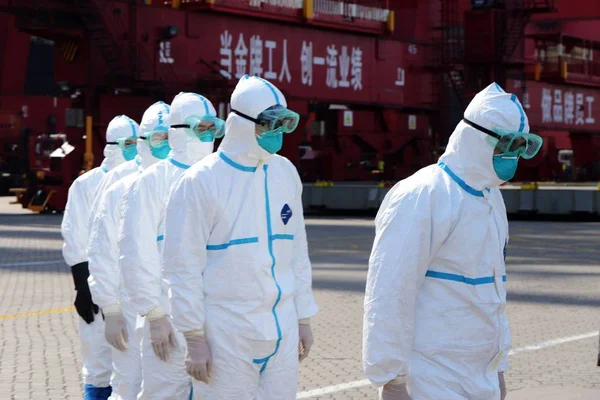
column 460, row 182
column 514, row 100
column 166, row 106
column 178, row 164
column 138, row 160
column 236, row 165
column 463, row 279
column 205, row 102
column 103, row 168
column 272, row 90
column 133, row 128
column 265, row 361
column 234, row 242
column 282, row 236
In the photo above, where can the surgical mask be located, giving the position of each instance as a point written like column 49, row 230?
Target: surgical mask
column 158, row 141
column 505, row 165
column 128, row 146
column 161, row 152
column 129, row 153
column 271, row 143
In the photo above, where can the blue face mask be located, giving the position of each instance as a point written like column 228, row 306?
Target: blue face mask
column 161, row 152
column 505, row 165
column 129, row 152
column 270, row 142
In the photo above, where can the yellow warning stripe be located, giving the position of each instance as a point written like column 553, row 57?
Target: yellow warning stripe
column 69, row 49
column 35, row 313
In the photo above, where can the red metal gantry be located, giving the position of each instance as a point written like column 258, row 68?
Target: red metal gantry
column 379, row 84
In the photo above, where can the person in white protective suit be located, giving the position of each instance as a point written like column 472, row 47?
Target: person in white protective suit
column 122, row 331
column 75, row 229
column 129, row 149
column 236, row 258
column 435, row 324
column 194, row 127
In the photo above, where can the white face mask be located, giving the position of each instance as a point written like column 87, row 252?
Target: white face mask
column 113, row 155
column 198, row 150
column 188, row 149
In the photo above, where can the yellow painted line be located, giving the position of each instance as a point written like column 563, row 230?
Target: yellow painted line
column 35, row 313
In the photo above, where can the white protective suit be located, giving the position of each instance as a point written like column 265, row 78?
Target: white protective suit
column 105, row 272
column 75, row 229
column 436, row 293
column 140, row 246
column 237, row 266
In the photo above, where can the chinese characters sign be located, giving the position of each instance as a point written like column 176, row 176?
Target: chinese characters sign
column 559, row 107
column 304, row 61
column 340, row 65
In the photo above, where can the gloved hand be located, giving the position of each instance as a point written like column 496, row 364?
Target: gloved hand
column 198, row 359
column 502, row 385
column 394, row 390
column 162, row 336
column 115, row 330
column 83, row 300
column 305, row 337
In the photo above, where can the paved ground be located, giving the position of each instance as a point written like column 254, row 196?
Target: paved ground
column 554, row 294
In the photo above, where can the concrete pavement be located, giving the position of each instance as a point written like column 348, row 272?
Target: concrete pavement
column 554, row 299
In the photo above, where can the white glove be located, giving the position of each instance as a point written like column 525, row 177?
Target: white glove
column 305, row 338
column 502, row 385
column 198, row 359
column 115, row 330
column 162, row 337
column 394, row 390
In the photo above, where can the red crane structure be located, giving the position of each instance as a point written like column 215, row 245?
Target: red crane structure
column 379, row 84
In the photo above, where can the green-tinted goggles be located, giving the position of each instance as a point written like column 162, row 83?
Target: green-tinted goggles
column 275, row 120
column 125, row 142
column 158, row 137
column 207, row 128
column 525, row 145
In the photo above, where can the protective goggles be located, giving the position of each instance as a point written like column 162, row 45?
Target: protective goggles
column 125, row 142
column 525, row 145
column 207, row 128
column 274, row 121
column 158, row 137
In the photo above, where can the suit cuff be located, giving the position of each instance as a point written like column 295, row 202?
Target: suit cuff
column 113, row 309
column 156, row 313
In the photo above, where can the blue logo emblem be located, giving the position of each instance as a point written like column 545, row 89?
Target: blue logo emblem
column 286, row 214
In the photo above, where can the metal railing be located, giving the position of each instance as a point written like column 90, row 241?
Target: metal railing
column 294, row 4
column 351, row 10
column 563, row 66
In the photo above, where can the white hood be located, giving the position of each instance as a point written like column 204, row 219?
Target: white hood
column 156, row 115
column 121, row 126
column 469, row 154
column 252, row 95
column 184, row 148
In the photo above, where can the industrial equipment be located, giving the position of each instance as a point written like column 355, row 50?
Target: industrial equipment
column 379, row 84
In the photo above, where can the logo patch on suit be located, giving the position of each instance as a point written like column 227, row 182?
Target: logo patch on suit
column 286, row 214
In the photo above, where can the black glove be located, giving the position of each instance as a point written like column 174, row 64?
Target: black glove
column 83, row 301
